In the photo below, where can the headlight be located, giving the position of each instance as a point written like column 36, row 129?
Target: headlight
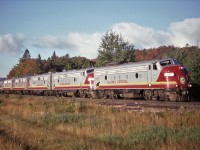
column 182, row 80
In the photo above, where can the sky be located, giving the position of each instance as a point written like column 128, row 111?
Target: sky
column 76, row 27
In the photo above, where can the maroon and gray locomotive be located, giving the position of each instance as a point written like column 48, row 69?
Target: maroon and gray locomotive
column 162, row 79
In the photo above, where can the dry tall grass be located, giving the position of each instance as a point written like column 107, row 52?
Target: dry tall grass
column 61, row 123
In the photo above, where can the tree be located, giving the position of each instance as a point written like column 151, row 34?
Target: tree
column 190, row 57
column 113, row 48
column 54, row 55
column 39, row 65
column 26, row 54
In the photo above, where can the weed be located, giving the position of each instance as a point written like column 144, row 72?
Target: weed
column 20, row 97
column 62, row 118
column 2, row 102
column 7, row 96
column 70, row 107
column 66, row 124
column 82, row 107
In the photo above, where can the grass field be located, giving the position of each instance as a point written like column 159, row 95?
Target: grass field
column 62, row 123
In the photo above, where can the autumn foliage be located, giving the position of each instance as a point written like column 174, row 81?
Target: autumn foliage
column 188, row 55
column 28, row 66
column 24, row 68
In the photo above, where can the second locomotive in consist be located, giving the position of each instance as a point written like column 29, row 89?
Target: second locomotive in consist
column 164, row 79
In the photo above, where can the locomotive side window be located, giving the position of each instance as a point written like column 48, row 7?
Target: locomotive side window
column 105, row 77
column 126, row 76
column 149, row 67
column 136, row 75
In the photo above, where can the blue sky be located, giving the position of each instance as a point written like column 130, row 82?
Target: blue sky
column 75, row 27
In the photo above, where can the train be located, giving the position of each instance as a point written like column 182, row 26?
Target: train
column 161, row 79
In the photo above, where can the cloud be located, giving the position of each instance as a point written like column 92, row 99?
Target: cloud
column 187, row 31
column 11, row 44
column 140, row 36
column 50, row 41
column 179, row 34
column 83, row 44
column 80, row 44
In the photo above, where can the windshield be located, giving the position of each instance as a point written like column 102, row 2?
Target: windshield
column 90, row 70
column 170, row 62
column 176, row 62
column 166, row 62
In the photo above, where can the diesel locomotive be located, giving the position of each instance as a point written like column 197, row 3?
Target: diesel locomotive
column 161, row 79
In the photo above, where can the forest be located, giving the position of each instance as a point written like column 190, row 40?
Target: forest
column 113, row 48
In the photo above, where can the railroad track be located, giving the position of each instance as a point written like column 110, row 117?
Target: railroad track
column 131, row 104
column 142, row 105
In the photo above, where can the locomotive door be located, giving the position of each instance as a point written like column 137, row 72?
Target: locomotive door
column 152, row 73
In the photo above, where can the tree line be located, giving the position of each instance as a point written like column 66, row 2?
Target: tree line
column 113, row 49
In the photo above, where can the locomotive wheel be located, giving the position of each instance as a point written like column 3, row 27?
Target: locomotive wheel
column 114, row 95
column 100, row 94
column 147, row 95
column 81, row 94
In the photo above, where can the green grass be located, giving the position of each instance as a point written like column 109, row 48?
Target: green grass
column 152, row 136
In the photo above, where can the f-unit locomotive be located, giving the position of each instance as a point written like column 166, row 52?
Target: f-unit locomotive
column 162, row 79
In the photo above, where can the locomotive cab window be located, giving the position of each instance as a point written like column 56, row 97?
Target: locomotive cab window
column 154, row 67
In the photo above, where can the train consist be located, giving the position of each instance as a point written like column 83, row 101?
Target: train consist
column 163, row 79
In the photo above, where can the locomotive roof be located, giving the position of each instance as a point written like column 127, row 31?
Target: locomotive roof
column 2, row 79
column 135, row 63
column 39, row 75
column 72, row 71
